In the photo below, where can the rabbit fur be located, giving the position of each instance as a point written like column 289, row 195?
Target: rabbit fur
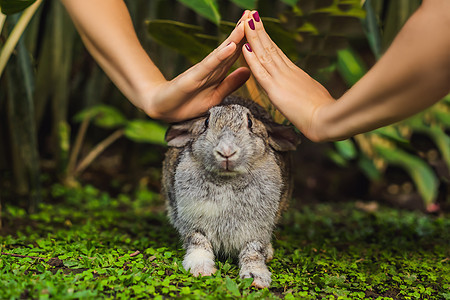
column 226, row 179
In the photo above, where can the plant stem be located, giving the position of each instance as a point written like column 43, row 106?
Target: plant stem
column 16, row 33
column 2, row 21
column 77, row 146
column 97, row 150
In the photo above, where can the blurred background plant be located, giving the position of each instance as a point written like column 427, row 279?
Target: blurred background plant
column 51, row 90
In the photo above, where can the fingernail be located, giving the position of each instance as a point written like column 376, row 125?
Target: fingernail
column 238, row 23
column 256, row 16
column 247, row 46
column 243, row 13
column 228, row 44
column 251, row 24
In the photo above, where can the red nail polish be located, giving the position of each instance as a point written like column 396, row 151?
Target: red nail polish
column 238, row 23
column 247, row 46
column 228, row 44
column 256, row 16
column 243, row 13
column 251, row 24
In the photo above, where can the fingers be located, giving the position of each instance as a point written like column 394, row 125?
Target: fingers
column 237, row 35
column 265, row 50
column 258, row 70
column 266, row 40
column 221, row 59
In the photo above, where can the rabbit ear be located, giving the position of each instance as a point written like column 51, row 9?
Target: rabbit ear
column 179, row 135
column 282, row 138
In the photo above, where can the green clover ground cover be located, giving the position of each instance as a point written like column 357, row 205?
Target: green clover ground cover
column 90, row 245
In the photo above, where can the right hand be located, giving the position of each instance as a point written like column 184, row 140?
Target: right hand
column 293, row 92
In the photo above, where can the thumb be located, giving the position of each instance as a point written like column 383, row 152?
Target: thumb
column 232, row 82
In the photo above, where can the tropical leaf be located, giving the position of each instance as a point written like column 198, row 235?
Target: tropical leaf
column 103, row 115
column 206, row 8
column 9, row 7
column 442, row 141
column 337, row 158
column 146, row 131
column 20, row 86
column 226, row 27
column 245, row 4
column 290, row 2
column 347, row 149
column 372, row 29
column 447, row 99
column 184, row 38
column 368, row 167
column 439, row 113
column 391, row 133
column 438, row 136
column 232, row 287
column 350, row 66
column 420, row 172
column 442, row 117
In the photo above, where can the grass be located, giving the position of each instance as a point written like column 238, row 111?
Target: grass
column 104, row 247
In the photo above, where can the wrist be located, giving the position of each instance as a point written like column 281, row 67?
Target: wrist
column 146, row 98
column 326, row 126
column 318, row 129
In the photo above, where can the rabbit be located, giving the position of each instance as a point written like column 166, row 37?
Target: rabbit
column 226, row 180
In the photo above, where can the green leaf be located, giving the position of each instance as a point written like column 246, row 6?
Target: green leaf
column 64, row 141
column 350, row 66
column 442, row 117
column 9, row 7
column 290, row 2
column 24, row 141
column 145, row 131
column 246, row 283
column 245, row 4
column 184, row 38
column 337, row 158
column 232, row 287
column 226, row 27
column 346, row 148
column 372, row 29
column 446, row 99
column 207, row 40
column 422, row 175
column 391, row 133
column 104, row 116
column 368, row 167
column 440, row 139
column 205, row 8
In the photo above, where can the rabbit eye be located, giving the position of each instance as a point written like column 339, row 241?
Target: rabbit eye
column 207, row 122
column 249, row 121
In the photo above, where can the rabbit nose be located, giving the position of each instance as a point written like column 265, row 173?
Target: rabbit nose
column 225, row 151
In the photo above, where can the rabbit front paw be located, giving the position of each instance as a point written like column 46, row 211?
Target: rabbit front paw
column 259, row 273
column 199, row 262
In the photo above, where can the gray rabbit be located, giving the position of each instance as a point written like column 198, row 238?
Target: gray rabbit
column 226, row 181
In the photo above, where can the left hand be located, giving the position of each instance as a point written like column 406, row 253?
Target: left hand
column 203, row 85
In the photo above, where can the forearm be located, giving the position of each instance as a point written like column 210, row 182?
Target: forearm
column 413, row 74
column 107, row 31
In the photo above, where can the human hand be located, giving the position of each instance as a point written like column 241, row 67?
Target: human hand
column 203, row 85
column 293, row 92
